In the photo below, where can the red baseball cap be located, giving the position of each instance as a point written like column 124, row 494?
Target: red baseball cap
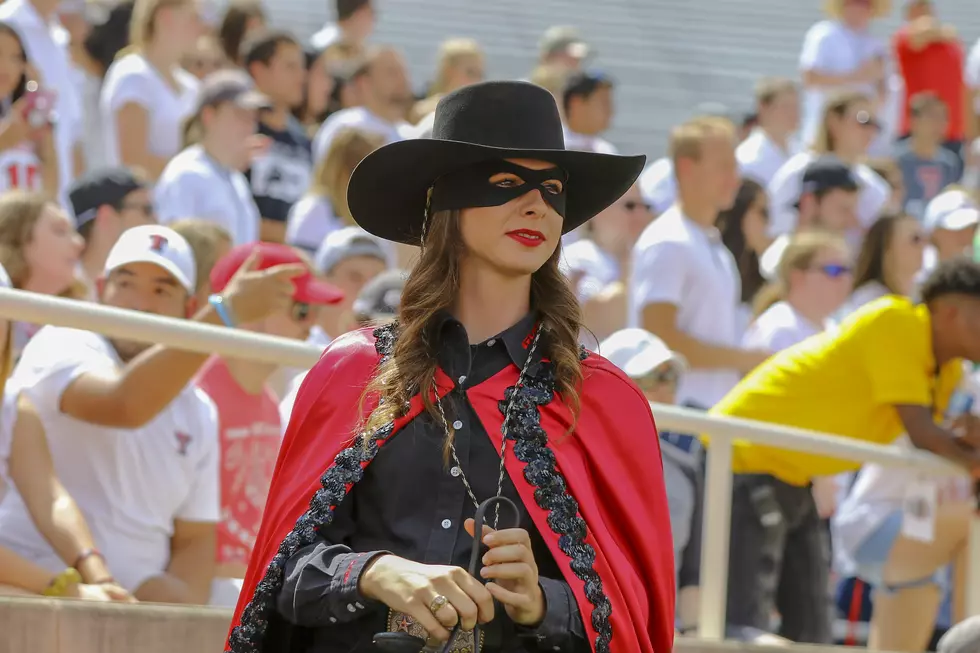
column 309, row 289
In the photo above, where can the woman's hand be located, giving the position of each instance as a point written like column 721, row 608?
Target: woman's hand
column 510, row 566
column 101, row 592
column 412, row 587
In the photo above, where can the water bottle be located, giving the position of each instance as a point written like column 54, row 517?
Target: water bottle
column 961, row 403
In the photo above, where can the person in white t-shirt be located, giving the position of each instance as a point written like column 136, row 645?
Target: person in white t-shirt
column 146, row 96
column 46, row 45
column 381, row 84
column 587, row 103
column 323, row 209
column 206, row 180
column 841, row 54
column 598, row 263
column 950, row 221
column 684, row 285
column 355, row 23
column 849, row 125
column 132, row 442
column 769, row 145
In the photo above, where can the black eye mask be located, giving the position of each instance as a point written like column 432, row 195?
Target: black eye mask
column 471, row 187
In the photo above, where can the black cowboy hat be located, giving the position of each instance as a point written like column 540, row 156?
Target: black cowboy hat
column 477, row 123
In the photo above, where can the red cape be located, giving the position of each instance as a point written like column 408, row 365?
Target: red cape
column 611, row 464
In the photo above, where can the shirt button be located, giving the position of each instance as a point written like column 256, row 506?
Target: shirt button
column 351, row 608
column 458, row 424
column 491, row 342
column 455, row 471
column 462, row 379
column 446, row 523
column 333, row 620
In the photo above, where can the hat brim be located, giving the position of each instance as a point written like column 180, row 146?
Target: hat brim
column 960, row 219
column 310, row 290
column 387, row 191
column 254, row 101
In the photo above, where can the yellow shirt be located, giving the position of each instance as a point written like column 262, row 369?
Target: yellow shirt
column 844, row 381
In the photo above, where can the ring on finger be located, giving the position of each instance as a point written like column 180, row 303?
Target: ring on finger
column 438, row 603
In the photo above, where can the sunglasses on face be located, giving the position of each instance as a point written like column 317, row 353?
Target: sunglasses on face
column 834, row 270
column 301, row 311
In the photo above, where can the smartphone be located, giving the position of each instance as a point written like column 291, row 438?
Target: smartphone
column 38, row 105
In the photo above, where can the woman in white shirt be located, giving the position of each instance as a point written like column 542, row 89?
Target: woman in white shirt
column 40, row 248
column 146, row 96
column 744, row 230
column 25, row 462
column 889, row 262
column 323, row 209
column 206, row 180
column 598, row 262
column 814, row 279
column 846, row 130
column 28, row 160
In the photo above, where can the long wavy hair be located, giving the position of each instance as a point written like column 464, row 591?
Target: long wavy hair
column 432, row 287
column 729, row 223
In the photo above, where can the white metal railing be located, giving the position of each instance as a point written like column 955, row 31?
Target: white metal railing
column 192, row 336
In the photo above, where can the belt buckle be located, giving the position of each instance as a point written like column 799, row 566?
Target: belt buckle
column 399, row 622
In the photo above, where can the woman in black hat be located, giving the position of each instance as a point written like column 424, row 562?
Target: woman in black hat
column 480, row 390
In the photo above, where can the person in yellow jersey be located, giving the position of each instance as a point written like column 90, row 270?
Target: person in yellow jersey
column 890, row 368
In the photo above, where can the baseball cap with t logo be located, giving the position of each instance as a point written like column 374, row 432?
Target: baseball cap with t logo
column 158, row 245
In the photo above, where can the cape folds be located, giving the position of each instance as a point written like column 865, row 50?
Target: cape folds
column 596, row 495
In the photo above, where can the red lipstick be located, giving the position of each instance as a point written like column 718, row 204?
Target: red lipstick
column 527, row 237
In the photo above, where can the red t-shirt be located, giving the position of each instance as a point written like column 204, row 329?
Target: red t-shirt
column 938, row 68
column 250, row 433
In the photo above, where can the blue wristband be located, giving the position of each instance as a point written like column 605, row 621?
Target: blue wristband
column 222, row 309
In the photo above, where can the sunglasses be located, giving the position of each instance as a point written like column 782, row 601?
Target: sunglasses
column 301, row 311
column 632, row 205
column 834, row 270
column 659, row 378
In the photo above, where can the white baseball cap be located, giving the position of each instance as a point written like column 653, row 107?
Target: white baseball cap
column 953, row 210
column 161, row 246
column 638, row 352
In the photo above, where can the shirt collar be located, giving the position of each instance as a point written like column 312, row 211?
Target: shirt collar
column 516, row 339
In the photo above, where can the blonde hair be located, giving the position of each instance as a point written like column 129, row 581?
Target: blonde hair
column 143, row 23
column 879, row 8
column 205, row 238
column 19, row 213
column 768, row 89
column 802, row 249
column 451, row 54
column 687, row 139
column 551, row 77
column 332, row 174
column 838, row 105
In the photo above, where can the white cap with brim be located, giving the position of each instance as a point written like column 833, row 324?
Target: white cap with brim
column 158, row 245
column 953, row 210
column 638, row 352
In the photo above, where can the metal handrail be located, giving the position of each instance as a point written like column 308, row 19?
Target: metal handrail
column 193, row 336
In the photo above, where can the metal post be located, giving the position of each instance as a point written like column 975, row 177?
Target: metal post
column 714, row 542
column 973, row 569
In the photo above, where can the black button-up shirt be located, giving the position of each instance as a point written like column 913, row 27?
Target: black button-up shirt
column 412, row 503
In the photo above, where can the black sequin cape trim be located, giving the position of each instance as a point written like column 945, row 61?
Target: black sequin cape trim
column 530, row 447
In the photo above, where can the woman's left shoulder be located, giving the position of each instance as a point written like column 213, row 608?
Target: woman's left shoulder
column 600, row 378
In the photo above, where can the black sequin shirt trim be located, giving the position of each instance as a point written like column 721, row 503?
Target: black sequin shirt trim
column 530, row 447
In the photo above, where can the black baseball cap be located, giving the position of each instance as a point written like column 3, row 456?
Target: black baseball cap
column 827, row 173
column 584, row 84
column 230, row 86
column 381, row 296
column 99, row 187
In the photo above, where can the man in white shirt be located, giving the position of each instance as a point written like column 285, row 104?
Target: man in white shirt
column 131, row 441
column 381, row 84
column 46, row 45
column 684, row 286
column 841, row 54
column 587, row 104
column 355, row 23
column 769, row 146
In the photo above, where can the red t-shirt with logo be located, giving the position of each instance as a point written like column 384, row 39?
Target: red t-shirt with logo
column 250, row 433
column 938, row 68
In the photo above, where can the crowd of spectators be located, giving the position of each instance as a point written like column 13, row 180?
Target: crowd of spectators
column 154, row 160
